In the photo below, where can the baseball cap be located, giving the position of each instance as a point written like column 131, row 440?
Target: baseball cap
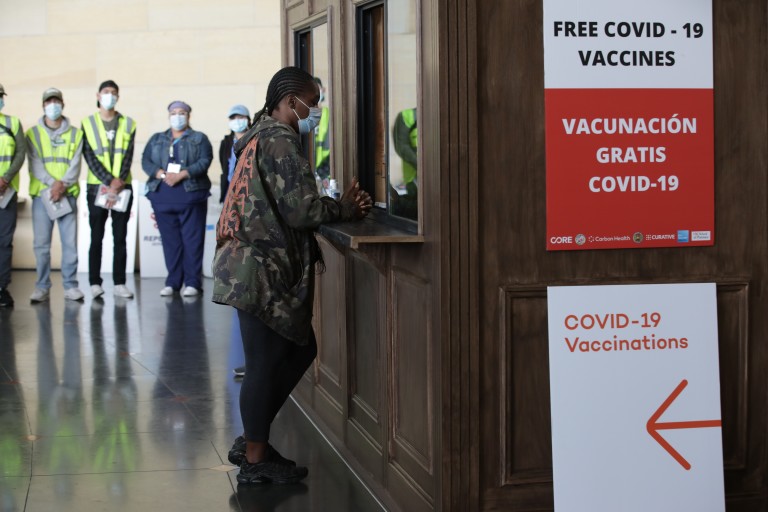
column 239, row 110
column 52, row 93
column 109, row 83
column 2, row 90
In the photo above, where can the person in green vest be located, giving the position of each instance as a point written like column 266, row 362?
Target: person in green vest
column 55, row 148
column 12, row 151
column 108, row 150
column 323, row 140
column 405, row 134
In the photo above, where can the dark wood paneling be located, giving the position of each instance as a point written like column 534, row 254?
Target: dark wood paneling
column 331, row 345
column 368, row 407
column 526, row 450
column 733, row 336
column 330, row 366
column 367, row 361
column 412, row 440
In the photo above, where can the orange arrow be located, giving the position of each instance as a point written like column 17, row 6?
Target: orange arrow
column 654, row 426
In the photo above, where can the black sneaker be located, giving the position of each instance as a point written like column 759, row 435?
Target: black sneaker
column 239, row 372
column 6, row 301
column 270, row 472
column 236, row 454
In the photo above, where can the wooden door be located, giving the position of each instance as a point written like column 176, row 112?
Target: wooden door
column 514, row 458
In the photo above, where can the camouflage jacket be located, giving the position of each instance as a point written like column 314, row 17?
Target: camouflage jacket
column 265, row 245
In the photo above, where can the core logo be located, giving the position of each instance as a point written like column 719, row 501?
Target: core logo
column 701, row 236
column 557, row 240
column 682, row 236
column 580, row 239
column 638, row 238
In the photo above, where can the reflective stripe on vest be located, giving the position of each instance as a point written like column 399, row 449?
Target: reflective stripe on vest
column 56, row 160
column 322, row 144
column 8, row 146
column 96, row 135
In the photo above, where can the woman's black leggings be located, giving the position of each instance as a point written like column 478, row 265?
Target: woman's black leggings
column 273, row 367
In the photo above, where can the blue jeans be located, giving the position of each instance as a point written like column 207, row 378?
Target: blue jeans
column 43, row 231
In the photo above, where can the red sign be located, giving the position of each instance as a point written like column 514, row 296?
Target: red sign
column 629, row 124
column 629, row 168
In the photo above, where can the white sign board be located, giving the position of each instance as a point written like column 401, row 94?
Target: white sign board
column 635, row 394
column 151, row 257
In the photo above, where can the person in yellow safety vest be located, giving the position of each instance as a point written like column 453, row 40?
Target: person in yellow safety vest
column 405, row 135
column 323, row 140
column 12, row 152
column 55, row 147
column 108, row 150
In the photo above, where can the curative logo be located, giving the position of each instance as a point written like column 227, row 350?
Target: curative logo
column 682, row 236
column 701, row 236
column 580, row 239
column 638, row 238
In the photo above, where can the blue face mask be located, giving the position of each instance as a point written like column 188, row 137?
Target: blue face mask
column 178, row 122
column 238, row 125
column 53, row 111
column 311, row 121
column 2, row 103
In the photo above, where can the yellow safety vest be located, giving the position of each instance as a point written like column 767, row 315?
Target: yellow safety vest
column 322, row 148
column 8, row 146
column 409, row 118
column 56, row 159
column 96, row 136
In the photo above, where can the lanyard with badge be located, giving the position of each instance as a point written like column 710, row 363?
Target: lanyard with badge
column 173, row 167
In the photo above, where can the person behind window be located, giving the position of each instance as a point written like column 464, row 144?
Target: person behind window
column 13, row 149
column 265, row 259
column 405, row 135
column 177, row 162
column 323, row 140
column 55, row 148
column 239, row 122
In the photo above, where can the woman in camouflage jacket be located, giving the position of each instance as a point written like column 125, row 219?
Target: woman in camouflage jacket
column 265, row 263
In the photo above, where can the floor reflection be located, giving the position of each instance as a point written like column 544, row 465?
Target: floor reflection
column 14, row 446
column 130, row 405
column 115, row 448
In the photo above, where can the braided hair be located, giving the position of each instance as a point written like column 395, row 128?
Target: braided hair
column 289, row 80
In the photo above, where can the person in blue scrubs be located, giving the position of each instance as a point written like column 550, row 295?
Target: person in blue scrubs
column 177, row 162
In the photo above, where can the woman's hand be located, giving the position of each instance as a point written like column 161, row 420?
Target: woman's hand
column 174, row 178
column 360, row 199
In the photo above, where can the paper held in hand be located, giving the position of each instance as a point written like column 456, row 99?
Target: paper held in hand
column 105, row 196
column 6, row 197
column 55, row 209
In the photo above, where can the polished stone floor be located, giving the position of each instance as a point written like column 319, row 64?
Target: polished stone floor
column 130, row 405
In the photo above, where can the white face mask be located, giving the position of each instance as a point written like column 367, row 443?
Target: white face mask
column 53, row 111
column 178, row 122
column 108, row 100
column 238, row 125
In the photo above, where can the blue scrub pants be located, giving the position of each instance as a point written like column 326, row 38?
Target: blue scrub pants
column 182, row 228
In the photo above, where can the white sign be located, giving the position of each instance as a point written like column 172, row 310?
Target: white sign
column 151, row 257
column 211, row 219
column 635, row 394
column 654, row 44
